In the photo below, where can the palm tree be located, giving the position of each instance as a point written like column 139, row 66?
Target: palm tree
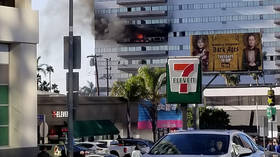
column 40, row 68
column 50, row 70
column 88, row 90
column 155, row 79
column 132, row 90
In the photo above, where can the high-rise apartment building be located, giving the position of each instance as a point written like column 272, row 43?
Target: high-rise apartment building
column 134, row 32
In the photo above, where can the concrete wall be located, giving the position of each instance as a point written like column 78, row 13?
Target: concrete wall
column 19, row 30
column 23, row 95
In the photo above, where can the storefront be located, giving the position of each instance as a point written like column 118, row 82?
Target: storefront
column 108, row 114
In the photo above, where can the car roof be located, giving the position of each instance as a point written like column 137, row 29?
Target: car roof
column 221, row 132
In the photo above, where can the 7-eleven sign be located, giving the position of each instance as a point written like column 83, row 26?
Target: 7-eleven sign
column 184, row 79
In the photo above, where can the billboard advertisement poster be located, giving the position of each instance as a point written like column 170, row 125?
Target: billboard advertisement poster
column 228, row 52
column 183, row 80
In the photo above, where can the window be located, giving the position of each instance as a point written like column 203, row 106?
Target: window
column 191, row 144
column 271, row 58
column 246, row 142
column 8, row 3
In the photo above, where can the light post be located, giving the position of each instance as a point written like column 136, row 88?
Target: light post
column 96, row 71
column 70, row 83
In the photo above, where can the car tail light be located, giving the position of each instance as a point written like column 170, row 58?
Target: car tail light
column 87, row 152
column 82, row 152
column 120, row 144
column 125, row 150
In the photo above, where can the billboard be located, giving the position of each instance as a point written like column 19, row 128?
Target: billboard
column 228, row 52
column 183, row 77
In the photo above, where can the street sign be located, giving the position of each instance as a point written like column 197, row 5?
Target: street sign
column 75, row 81
column 76, row 52
column 41, row 117
column 184, row 81
column 271, row 112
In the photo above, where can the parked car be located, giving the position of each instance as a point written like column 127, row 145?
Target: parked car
column 80, row 151
column 118, row 149
column 55, row 150
column 95, row 147
column 142, row 144
column 205, row 143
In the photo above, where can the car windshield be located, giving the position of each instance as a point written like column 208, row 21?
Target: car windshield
column 102, row 145
column 192, row 144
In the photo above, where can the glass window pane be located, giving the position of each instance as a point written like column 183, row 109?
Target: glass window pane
column 4, row 118
column 4, row 136
column 4, row 94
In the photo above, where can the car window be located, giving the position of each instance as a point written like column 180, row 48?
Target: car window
column 246, row 143
column 85, row 145
column 192, row 144
column 236, row 140
column 102, row 145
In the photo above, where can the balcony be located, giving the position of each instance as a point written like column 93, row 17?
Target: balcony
column 277, row 62
column 277, row 22
column 277, row 35
column 277, row 7
column 277, row 49
column 18, row 25
column 133, row 2
column 132, row 68
column 142, row 14
column 142, row 54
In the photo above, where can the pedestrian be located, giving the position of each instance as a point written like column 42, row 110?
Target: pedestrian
column 43, row 152
column 277, row 148
column 272, row 144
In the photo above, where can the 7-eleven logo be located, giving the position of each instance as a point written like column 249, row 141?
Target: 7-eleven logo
column 183, row 76
column 184, row 80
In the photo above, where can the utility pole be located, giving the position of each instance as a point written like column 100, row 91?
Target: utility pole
column 107, row 71
column 70, row 83
column 96, row 72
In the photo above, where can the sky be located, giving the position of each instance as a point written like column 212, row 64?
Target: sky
column 53, row 26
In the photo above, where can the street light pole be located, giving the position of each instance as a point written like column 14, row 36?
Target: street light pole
column 70, row 83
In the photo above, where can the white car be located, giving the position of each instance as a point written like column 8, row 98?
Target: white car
column 95, row 147
column 208, row 143
column 118, row 149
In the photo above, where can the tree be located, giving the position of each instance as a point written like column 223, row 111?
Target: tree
column 213, row 118
column 50, row 70
column 154, row 79
column 231, row 79
column 40, row 68
column 132, row 90
column 88, row 90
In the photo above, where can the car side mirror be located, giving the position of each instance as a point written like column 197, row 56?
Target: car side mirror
column 241, row 151
column 136, row 153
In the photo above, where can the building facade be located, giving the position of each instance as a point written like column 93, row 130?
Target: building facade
column 132, row 32
column 18, row 94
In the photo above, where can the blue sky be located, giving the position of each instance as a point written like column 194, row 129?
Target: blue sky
column 53, row 25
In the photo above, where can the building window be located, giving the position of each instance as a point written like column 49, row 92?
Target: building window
column 175, row 34
column 4, row 115
column 271, row 58
column 8, row 3
column 182, row 34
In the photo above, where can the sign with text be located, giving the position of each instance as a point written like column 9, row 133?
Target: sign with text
column 183, row 81
column 228, row 52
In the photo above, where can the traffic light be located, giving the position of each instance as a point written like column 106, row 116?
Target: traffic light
column 271, row 97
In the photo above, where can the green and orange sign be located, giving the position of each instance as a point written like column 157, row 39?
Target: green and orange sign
column 184, row 81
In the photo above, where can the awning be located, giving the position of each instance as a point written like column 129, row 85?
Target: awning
column 94, row 128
